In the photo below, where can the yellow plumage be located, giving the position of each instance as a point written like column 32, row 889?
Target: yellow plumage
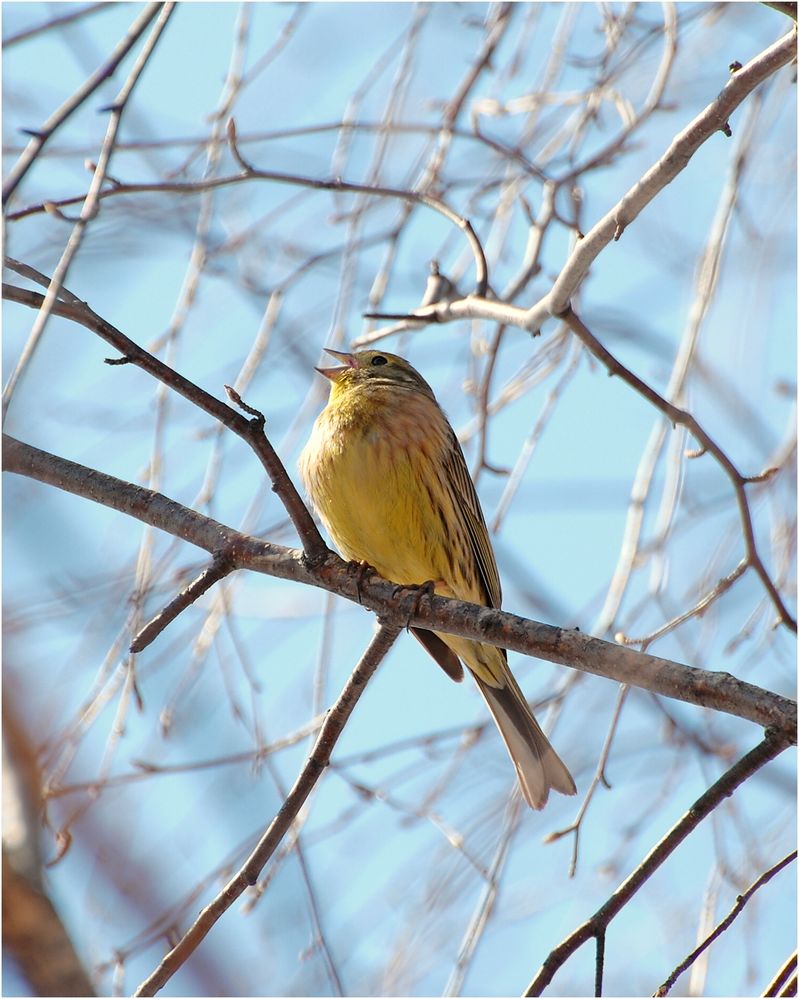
column 386, row 473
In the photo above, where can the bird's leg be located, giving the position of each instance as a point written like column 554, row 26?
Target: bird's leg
column 416, row 592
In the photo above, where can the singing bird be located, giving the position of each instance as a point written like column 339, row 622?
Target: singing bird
column 386, row 474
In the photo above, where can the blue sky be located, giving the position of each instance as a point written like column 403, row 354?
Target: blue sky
column 395, row 897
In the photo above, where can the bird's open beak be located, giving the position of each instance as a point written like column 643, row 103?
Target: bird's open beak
column 348, row 360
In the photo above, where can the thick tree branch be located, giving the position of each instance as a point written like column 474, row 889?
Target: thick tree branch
column 716, row 690
column 34, row 933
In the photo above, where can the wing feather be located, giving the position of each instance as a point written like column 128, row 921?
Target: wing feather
column 465, row 495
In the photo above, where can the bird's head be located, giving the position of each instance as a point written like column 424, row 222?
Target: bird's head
column 368, row 369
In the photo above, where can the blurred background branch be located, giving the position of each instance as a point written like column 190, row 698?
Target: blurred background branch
column 408, row 869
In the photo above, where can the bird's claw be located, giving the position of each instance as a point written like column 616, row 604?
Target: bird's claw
column 416, row 593
column 361, row 570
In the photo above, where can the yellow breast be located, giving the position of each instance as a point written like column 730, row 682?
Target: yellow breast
column 372, row 470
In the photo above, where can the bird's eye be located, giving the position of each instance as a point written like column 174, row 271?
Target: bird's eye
column 379, row 359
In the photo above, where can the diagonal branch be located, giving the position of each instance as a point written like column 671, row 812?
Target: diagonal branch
column 728, row 920
column 59, row 116
column 313, row 769
column 595, row 927
column 783, row 983
column 674, row 160
column 676, row 415
column 251, row 431
column 90, row 206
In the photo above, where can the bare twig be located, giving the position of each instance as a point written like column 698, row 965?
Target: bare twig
column 484, row 908
column 90, row 205
column 595, row 927
column 625, row 211
column 418, row 197
column 731, row 916
column 58, row 117
column 676, row 415
column 219, row 568
column 250, row 431
column 706, row 283
column 598, row 778
column 676, row 158
column 145, row 769
column 698, row 609
column 312, row 770
column 784, row 981
column 508, row 152
column 53, row 22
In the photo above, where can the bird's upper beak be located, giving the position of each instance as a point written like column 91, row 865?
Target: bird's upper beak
column 348, row 360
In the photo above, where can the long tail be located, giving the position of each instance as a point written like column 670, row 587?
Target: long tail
column 538, row 766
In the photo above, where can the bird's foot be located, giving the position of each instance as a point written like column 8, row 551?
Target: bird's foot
column 415, row 594
column 361, row 570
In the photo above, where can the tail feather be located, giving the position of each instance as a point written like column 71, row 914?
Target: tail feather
column 538, row 766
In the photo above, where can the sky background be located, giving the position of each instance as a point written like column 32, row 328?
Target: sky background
column 395, row 895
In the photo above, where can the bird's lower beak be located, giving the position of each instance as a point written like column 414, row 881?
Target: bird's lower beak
column 348, row 360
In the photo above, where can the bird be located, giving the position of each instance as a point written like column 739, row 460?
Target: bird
column 385, row 472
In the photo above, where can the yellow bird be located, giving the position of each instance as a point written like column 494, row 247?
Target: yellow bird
column 386, row 474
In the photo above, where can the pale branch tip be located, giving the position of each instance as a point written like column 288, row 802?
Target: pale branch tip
column 234, row 396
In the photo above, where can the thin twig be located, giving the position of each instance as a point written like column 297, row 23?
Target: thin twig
column 58, row 117
column 418, row 197
column 698, row 609
column 402, row 128
column 312, row 770
column 675, row 159
column 676, row 415
column 598, row 778
column 706, row 283
column 250, row 431
column 219, row 568
column 53, row 22
column 784, row 981
column 146, row 769
column 595, row 927
column 731, row 916
column 478, row 923
column 90, row 206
